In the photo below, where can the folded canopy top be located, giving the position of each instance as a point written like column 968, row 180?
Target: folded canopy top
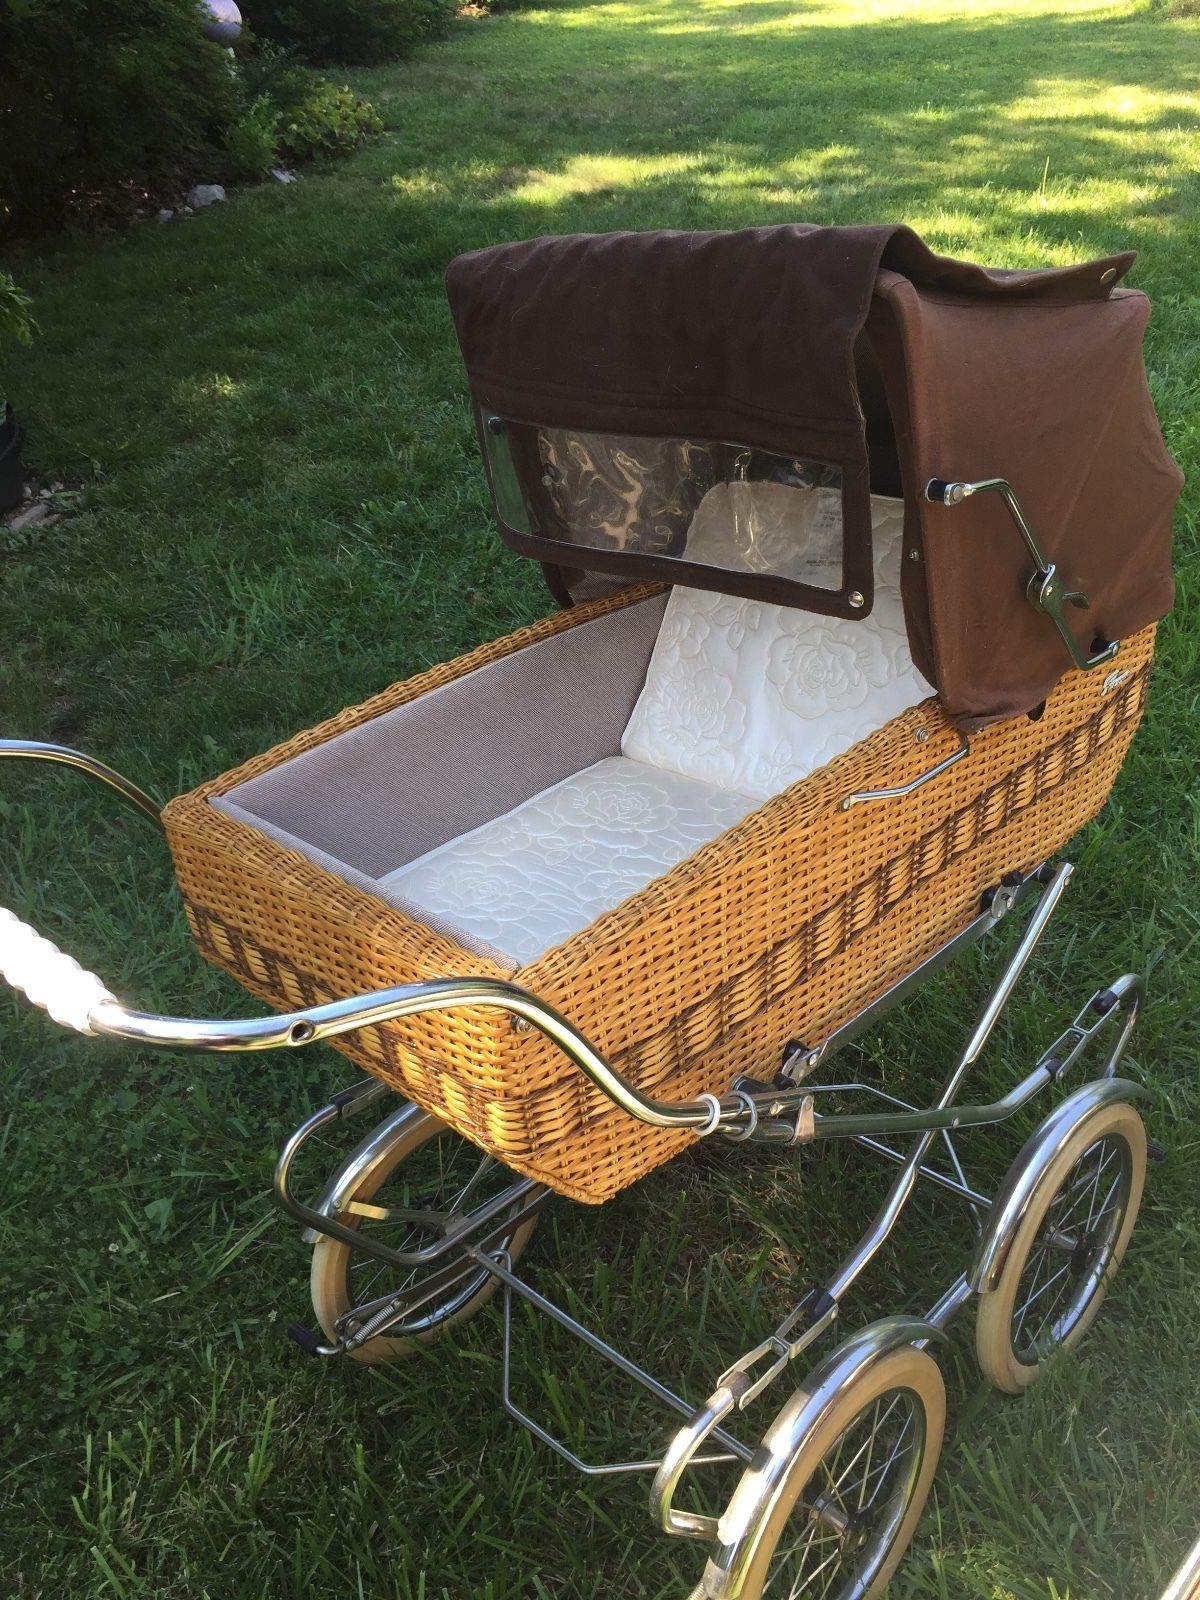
column 715, row 409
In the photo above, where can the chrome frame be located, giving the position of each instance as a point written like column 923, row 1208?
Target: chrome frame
column 1185, row 1585
column 781, row 1111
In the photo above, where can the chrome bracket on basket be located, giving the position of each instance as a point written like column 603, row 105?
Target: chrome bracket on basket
column 1046, row 589
column 900, row 790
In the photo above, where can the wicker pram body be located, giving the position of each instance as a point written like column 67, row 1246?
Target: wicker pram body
column 782, row 928
column 604, row 373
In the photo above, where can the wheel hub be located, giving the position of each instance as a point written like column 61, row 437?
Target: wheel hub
column 857, row 1532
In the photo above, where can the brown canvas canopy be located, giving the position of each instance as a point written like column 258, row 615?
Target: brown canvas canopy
column 704, row 383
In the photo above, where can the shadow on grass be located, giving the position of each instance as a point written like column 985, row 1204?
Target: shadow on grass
column 1051, row 132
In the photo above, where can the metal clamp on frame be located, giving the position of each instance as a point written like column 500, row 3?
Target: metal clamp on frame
column 735, row 1390
column 1045, row 589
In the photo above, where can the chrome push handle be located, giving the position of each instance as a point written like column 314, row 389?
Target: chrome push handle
column 63, row 756
column 1045, row 590
column 48, row 977
column 77, row 999
column 44, row 974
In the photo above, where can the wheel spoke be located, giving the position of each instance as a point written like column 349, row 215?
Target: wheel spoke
column 816, row 1573
column 1094, row 1216
column 877, row 1423
column 897, row 1450
column 812, row 1540
column 1040, row 1291
column 871, row 1437
column 866, row 1445
column 1086, row 1186
column 1045, row 1339
column 459, row 1203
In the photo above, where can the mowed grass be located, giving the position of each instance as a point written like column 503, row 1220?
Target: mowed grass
column 283, row 511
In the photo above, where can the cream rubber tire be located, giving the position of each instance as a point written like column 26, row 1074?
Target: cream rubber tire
column 1093, row 1182
column 333, row 1262
column 860, row 1563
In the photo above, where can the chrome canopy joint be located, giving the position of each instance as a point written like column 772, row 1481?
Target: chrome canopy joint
column 1046, row 589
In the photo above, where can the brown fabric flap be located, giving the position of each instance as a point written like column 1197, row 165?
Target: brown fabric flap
column 1050, row 394
column 744, row 337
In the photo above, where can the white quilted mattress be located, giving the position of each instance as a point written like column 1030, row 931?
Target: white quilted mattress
column 755, row 697
column 741, row 700
column 544, row 870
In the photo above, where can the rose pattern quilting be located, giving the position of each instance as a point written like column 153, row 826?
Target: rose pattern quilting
column 755, row 697
column 547, row 869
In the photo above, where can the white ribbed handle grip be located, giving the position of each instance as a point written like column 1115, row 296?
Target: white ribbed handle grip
column 52, row 980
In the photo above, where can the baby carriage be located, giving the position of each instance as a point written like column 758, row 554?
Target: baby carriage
column 822, row 700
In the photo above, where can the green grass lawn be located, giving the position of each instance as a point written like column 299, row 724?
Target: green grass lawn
column 283, row 511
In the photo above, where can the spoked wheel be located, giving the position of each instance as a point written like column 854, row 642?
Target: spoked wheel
column 419, row 1165
column 831, row 1502
column 1083, row 1196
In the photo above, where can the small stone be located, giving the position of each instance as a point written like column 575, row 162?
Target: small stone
column 57, row 488
column 282, row 175
column 165, row 214
column 29, row 517
column 205, row 194
column 186, row 211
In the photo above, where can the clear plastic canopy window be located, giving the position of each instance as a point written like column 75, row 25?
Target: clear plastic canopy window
column 721, row 506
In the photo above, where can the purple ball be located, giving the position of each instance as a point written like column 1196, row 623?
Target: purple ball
column 222, row 20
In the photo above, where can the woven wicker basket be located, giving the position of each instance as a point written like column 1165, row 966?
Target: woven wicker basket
column 783, row 927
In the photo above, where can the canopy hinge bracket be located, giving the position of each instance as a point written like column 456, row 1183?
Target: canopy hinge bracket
column 1046, row 589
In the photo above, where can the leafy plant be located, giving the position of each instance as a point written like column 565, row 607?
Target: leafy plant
column 252, row 138
column 17, row 325
column 328, row 121
column 16, row 313
column 305, row 115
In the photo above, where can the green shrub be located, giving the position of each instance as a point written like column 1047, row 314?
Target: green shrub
column 327, row 121
column 252, row 139
column 315, row 118
column 272, row 71
column 352, row 31
column 16, row 314
column 127, row 96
